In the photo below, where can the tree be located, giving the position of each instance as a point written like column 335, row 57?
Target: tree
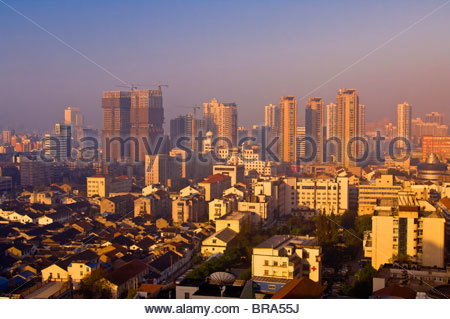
column 362, row 287
column 94, row 286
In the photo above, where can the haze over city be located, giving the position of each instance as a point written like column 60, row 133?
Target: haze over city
column 249, row 53
column 226, row 154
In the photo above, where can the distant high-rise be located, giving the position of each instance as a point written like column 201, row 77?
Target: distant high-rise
column 221, row 120
column 300, row 149
column 186, row 126
column 314, row 126
column 331, row 120
column 404, row 122
column 271, row 118
column 348, row 125
column 362, row 120
column 287, row 128
column 116, row 124
column 59, row 144
column 146, row 119
column 74, row 118
column 158, row 169
column 434, row 117
column 420, row 129
column 6, row 136
column 177, row 127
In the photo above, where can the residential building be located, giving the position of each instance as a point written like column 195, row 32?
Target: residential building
column 219, row 242
column 192, row 208
column 314, row 127
column 434, row 117
column 221, row 206
column 287, row 128
column 407, row 233
column 146, row 120
column 283, row 258
column 122, row 205
column 158, row 169
column 155, row 205
column 384, row 187
column 300, row 147
column 236, row 172
column 236, row 221
column 116, row 125
column 74, row 118
column 221, row 120
column 439, row 145
column 59, row 145
column 348, row 127
column 215, row 185
column 404, row 112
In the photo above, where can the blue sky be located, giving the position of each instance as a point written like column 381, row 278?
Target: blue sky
column 249, row 52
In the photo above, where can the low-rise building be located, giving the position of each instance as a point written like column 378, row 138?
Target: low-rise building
column 121, row 205
column 282, row 258
column 219, row 242
column 215, row 185
column 236, row 221
column 222, row 206
column 191, row 208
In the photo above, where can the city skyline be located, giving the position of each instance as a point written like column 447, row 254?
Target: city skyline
column 246, row 60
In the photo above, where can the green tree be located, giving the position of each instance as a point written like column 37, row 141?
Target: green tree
column 363, row 285
column 94, row 286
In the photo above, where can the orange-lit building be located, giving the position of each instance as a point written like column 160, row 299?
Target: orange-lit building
column 439, row 145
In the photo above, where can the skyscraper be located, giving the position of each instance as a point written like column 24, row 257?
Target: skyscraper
column 331, row 120
column 300, row 150
column 59, row 144
column 74, row 118
column 177, row 127
column 404, row 122
column 271, row 118
column 221, row 120
column 314, row 126
column 348, row 126
column 287, row 128
column 146, row 119
column 362, row 120
column 116, row 124
column 186, row 126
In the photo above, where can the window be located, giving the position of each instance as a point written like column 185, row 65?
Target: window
column 266, row 263
column 271, row 287
column 266, row 273
column 214, row 241
column 186, row 295
column 275, row 263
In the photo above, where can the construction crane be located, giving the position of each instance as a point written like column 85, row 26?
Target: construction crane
column 195, row 108
column 135, row 86
column 130, row 86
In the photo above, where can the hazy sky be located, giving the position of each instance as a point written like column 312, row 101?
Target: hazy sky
column 250, row 53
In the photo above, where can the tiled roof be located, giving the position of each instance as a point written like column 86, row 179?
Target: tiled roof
column 127, row 271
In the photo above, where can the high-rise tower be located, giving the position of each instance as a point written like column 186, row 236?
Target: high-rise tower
column 116, row 124
column 288, row 128
column 221, row 120
column 314, row 126
column 404, row 122
column 146, row 119
column 348, row 126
